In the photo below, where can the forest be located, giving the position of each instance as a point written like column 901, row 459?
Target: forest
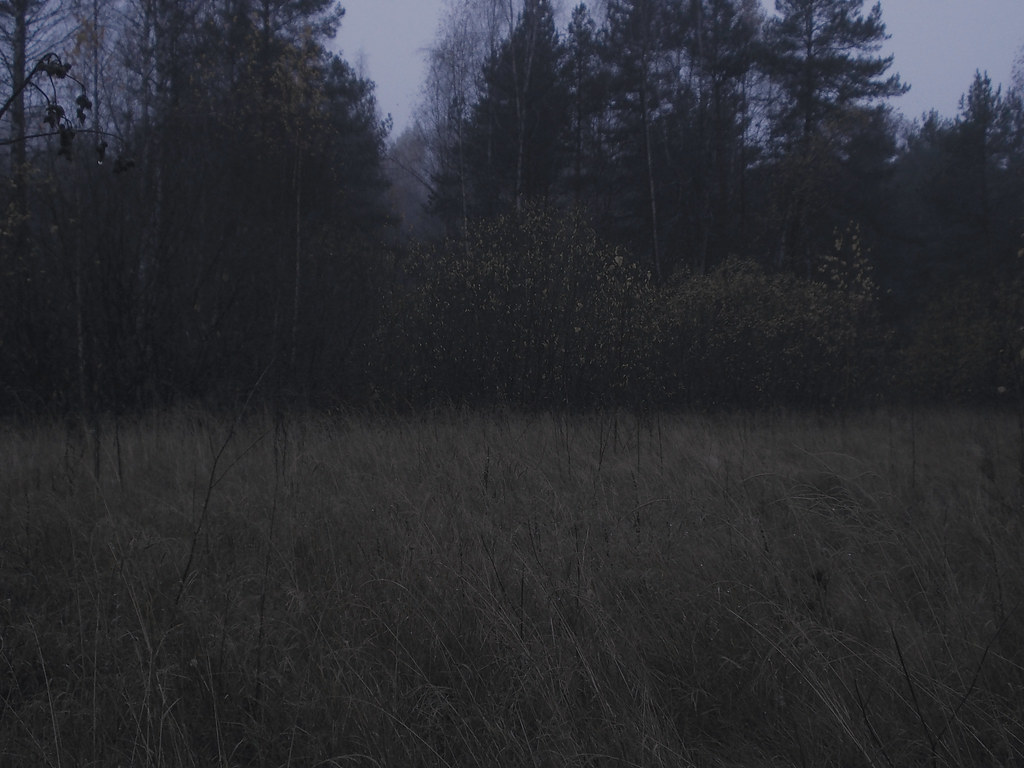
column 646, row 203
column 655, row 399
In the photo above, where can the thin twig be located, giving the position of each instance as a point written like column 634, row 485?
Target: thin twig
column 932, row 743
column 212, row 482
column 871, row 728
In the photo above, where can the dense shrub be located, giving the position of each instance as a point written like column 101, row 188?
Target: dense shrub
column 533, row 310
column 528, row 309
column 968, row 344
column 740, row 335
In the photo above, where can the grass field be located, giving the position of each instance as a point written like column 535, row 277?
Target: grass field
column 465, row 589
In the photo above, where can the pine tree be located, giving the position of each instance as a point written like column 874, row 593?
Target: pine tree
column 823, row 56
column 587, row 81
column 518, row 126
column 719, row 37
column 641, row 78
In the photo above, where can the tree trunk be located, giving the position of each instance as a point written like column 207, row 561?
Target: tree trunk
column 649, row 152
column 297, row 272
column 520, row 112
column 19, row 158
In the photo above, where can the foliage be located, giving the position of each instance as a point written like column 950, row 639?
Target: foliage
column 956, row 193
column 823, row 55
column 722, row 148
column 711, row 123
column 56, row 114
column 530, row 309
column 515, row 134
column 741, row 335
column 968, row 344
column 587, row 161
column 641, row 79
column 243, row 247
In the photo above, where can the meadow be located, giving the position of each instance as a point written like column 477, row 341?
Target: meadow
column 498, row 589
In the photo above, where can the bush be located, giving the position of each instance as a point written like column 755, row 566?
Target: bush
column 529, row 309
column 968, row 343
column 742, row 336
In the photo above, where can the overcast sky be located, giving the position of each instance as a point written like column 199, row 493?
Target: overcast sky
column 938, row 46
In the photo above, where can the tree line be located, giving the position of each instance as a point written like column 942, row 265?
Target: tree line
column 800, row 240
column 215, row 219
column 648, row 202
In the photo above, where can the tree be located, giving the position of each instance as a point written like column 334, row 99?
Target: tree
column 515, row 138
column 711, row 143
column 408, row 175
column 822, row 55
column 241, row 246
column 639, row 74
column 981, row 128
column 956, row 271
column 528, row 308
column 1015, row 136
column 37, row 96
column 469, row 31
column 292, row 167
column 27, row 29
column 957, row 190
column 587, row 83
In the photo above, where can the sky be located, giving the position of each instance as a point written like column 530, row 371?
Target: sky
column 938, row 45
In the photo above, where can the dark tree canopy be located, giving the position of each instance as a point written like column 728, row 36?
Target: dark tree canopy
column 823, row 56
column 230, row 233
column 515, row 136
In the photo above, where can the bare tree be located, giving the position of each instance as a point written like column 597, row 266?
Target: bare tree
column 468, row 32
column 28, row 29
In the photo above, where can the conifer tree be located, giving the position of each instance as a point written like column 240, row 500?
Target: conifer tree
column 719, row 38
column 641, row 79
column 823, row 57
column 587, row 82
column 515, row 141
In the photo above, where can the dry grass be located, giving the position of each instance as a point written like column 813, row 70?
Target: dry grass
column 501, row 590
